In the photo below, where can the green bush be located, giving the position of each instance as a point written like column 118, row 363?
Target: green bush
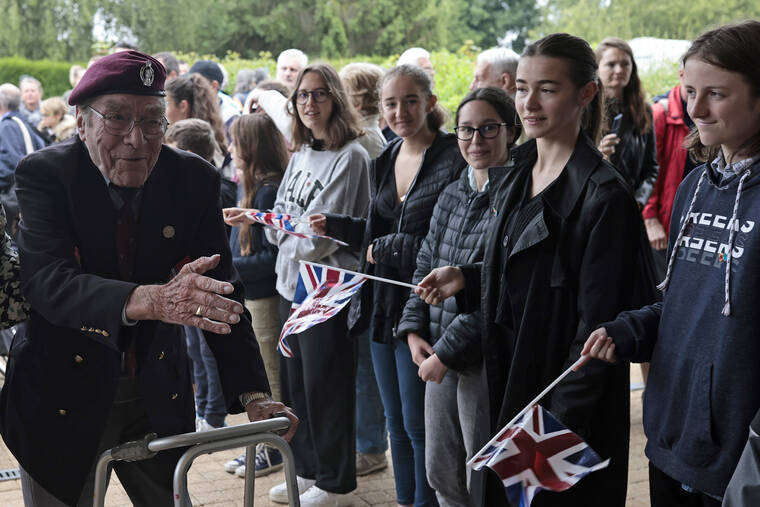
column 54, row 76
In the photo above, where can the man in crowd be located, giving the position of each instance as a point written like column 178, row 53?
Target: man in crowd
column 419, row 57
column 122, row 243
column 213, row 73
column 17, row 139
column 170, row 63
column 496, row 67
column 31, row 97
column 289, row 64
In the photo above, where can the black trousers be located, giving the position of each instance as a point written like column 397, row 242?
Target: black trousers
column 319, row 384
column 664, row 491
column 147, row 483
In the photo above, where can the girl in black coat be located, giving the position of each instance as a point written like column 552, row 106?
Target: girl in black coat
column 406, row 179
column 561, row 255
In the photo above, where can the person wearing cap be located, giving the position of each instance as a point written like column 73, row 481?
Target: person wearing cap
column 229, row 108
column 121, row 244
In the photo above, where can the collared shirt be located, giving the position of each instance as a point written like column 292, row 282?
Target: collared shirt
column 473, row 182
column 729, row 170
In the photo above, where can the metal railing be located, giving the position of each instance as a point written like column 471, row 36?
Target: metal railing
column 205, row 442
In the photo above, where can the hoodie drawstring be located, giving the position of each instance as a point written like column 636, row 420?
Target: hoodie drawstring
column 731, row 236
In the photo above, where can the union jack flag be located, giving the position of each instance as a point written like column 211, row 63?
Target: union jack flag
column 321, row 293
column 285, row 223
column 537, row 453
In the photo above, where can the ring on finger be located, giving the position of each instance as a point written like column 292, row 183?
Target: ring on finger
column 198, row 311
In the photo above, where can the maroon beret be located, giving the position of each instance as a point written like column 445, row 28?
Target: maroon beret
column 130, row 72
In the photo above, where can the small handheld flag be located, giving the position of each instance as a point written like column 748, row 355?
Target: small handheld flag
column 285, row 223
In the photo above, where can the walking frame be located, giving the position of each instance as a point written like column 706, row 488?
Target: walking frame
column 205, row 442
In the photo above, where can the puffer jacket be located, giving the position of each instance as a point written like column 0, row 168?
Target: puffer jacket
column 636, row 159
column 441, row 165
column 456, row 236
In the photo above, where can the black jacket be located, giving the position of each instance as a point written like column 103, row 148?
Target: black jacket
column 456, row 236
column 440, row 166
column 573, row 267
column 257, row 270
column 64, row 368
column 636, row 159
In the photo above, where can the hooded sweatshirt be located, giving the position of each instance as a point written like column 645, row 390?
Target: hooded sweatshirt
column 704, row 338
column 318, row 181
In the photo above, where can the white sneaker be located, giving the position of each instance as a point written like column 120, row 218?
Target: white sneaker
column 203, row 425
column 279, row 493
column 315, row 497
column 231, row 466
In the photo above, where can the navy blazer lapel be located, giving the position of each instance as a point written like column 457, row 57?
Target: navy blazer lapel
column 93, row 217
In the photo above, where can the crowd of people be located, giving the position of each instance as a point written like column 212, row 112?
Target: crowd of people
column 535, row 232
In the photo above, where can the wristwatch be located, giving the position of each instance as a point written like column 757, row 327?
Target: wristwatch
column 246, row 398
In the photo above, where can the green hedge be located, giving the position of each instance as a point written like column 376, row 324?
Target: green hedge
column 54, row 76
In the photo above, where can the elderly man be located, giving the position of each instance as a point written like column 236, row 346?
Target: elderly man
column 496, row 67
column 289, row 64
column 31, row 98
column 419, row 57
column 17, row 139
column 122, row 242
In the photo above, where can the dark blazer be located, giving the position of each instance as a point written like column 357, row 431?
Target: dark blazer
column 573, row 267
column 64, row 368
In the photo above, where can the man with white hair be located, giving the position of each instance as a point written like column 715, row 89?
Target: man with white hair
column 289, row 64
column 419, row 57
column 496, row 67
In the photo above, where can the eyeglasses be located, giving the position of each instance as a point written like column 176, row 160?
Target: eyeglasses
column 487, row 131
column 319, row 95
column 119, row 125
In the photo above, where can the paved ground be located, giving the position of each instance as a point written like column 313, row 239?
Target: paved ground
column 210, row 485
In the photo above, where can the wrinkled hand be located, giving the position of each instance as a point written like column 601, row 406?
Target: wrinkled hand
column 419, row 348
column 237, row 216
column 189, row 299
column 440, row 284
column 656, row 234
column 432, row 370
column 607, row 144
column 318, row 224
column 259, row 410
column 598, row 346
column 370, row 258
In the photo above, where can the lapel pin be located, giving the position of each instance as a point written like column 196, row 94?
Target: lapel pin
column 168, row 232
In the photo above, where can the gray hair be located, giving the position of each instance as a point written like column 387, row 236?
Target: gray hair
column 501, row 60
column 10, row 97
column 29, row 79
column 294, row 53
column 412, row 56
column 245, row 80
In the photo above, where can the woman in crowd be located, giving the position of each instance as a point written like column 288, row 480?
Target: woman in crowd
column 631, row 147
column 566, row 237
column 258, row 151
column 191, row 96
column 327, row 173
column 56, row 125
column 445, row 342
column 702, row 338
column 409, row 175
column 360, row 80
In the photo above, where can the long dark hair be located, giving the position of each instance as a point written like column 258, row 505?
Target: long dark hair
column 203, row 102
column 735, row 48
column 343, row 124
column 581, row 63
column 634, row 99
column 262, row 148
column 501, row 102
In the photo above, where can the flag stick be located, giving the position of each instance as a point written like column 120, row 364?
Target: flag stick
column 527, row 407
column 379, row 279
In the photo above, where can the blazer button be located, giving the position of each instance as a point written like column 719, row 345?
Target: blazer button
column 161, row 355
column 62, row 412
column 505, row 243
column 174, row 396
column 78, row 358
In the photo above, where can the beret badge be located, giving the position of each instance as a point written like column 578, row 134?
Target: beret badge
column 147, row 74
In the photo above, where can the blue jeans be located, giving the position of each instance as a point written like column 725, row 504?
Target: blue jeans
column 209, row 399
column 370, row 421
column 405, row 414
